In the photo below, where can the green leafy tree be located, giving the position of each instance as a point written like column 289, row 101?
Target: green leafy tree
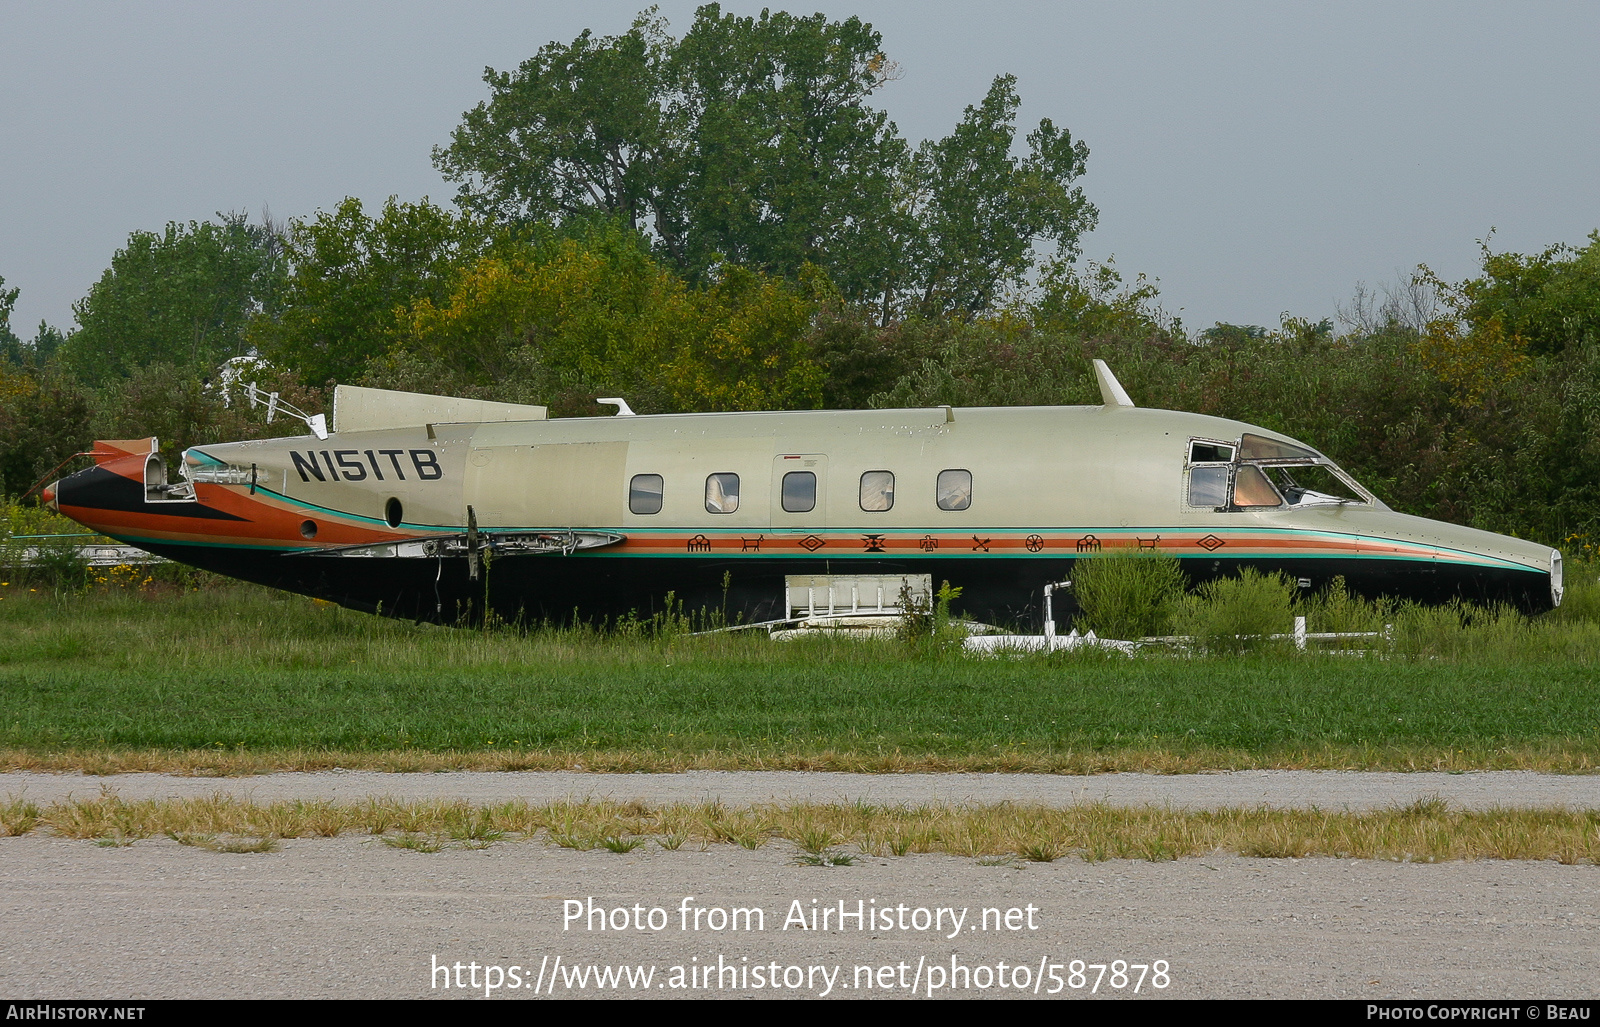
column 47, row 341
column 182, row 297
column 1095, row 300
column 748, row 141
column 576, row 129
column 183, row 409
column 564, row 319
column 350, row 278
column 785, row 163
column 44, row 419
column 11, row 350
column 978, row 210
column 751, row 141
column 1547, row 302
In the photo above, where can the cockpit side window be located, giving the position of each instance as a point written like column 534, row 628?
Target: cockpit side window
column 1208, row 486
column 1202, row 451
column 1209, row 467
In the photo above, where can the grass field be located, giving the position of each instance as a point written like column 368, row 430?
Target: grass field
column 236, row 680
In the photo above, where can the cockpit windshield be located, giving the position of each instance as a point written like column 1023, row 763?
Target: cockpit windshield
column 1258, row 447
column 1307, row 485
column 1262, row 473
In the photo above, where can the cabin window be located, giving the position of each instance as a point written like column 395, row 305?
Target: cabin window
column 799, row 492
column 954, row 490
column 722, row 493
column 1251, row 488
column 877, row 491
column 1208, row 486
column 644, row 494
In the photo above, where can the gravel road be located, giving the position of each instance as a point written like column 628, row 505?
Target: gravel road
column 349, row 917
column 1278, row 788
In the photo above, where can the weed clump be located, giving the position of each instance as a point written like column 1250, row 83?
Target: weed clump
column 924, row 617
column 1128, row 595
column 1336, row 608
column 1235, row 615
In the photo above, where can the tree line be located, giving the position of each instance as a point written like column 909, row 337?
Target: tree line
column 723, row 221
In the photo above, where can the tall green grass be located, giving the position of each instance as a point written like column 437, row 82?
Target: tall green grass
column 239, row 671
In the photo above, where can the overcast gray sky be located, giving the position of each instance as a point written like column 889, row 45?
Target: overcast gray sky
column 1256, row 157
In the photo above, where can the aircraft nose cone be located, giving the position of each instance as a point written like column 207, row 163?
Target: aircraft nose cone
column 48, row 496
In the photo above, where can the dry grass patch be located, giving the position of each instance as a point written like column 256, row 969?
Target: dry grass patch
column 1551, row 758
column 1427, row 830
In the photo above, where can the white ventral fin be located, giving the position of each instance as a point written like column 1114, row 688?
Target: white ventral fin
column 1112, row 394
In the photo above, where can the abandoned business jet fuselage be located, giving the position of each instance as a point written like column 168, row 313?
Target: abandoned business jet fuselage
column 399, row 509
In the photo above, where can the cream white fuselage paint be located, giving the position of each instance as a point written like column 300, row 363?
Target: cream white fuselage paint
column 608, row 515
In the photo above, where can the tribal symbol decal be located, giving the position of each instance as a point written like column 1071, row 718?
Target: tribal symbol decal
column 1211, row 543
column 811, row 543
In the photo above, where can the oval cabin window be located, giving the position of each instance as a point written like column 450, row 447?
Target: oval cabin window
column 799, row 492
column 954, row 490
column 645, row 492
column 722, row 493
column 877, row 491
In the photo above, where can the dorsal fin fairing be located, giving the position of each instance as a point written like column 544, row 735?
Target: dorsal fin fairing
column 1112, row 394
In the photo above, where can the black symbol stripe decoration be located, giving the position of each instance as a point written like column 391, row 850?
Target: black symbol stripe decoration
column 1034, row 543
column 1211, row 543
column 927, row 543
column 811, row 543
column 699, row 544
column 872, row 543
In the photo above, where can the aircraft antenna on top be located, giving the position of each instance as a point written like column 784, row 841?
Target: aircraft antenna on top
column 1112, row 394
column 623, row 409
